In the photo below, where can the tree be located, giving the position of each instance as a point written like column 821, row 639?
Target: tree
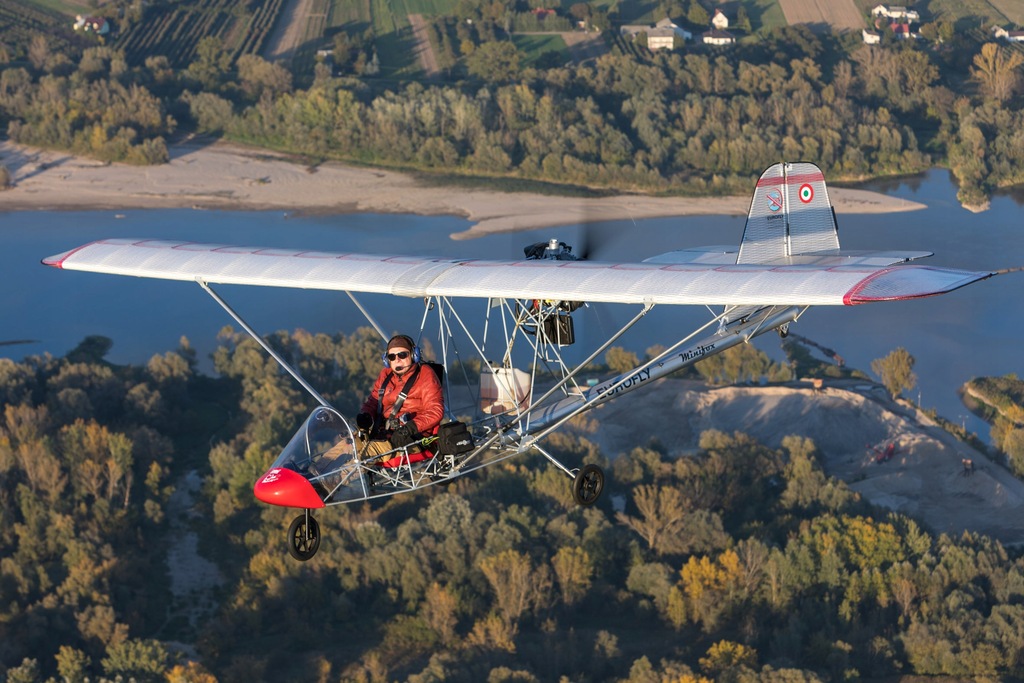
column 72, row 664
column 439, row 611
column 144, row 660
column 726, row 655
column 258, row 76
column 697, row 15
column 211, row 64
column 997, row 70
column 663, row 511
column 496, row 61
column 896, row 371
column 573, row 569
column 516, row 584
column 620, row 360
column 39, row 51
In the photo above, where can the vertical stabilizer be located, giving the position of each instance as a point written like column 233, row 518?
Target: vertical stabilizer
column 790, row 214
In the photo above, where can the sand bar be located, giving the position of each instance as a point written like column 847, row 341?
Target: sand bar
column 231, row 177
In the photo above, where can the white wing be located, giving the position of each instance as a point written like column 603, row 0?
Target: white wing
column 655, row 283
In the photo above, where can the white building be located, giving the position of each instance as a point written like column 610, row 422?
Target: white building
column 895, row 12
column 716, row 37
column 661, row 36
column 1008, row 36
column 719, row 20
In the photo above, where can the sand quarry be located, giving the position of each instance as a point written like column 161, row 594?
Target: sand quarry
column 925, row 477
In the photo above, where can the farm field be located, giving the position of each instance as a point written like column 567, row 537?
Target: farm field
column 971, row 14
column 19, row 21
column 532, row 46
column 764, row 14
column 818, row 14
column 1013, row 10
column 68, row 7
column 176, row 33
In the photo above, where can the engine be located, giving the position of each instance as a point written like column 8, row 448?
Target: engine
column 551, row 317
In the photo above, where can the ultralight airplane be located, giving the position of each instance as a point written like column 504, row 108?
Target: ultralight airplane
column 788, row 260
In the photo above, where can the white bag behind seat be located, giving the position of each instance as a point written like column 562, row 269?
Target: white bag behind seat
column 504, row 390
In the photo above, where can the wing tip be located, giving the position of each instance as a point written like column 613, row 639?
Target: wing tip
column 58, row 260
column 911, row 282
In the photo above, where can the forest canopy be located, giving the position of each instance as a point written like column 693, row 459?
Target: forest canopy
column 742, row 562
column 692, row 122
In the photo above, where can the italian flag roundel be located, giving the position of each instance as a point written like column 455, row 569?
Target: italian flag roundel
column 806, row 193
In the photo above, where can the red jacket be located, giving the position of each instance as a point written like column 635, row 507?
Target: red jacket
column 424, row 404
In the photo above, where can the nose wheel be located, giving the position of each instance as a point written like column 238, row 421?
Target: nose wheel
column 303, row 537
column 587, row 485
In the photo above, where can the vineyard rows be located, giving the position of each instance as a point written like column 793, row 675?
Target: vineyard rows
column 176, row 31
column 20, row 22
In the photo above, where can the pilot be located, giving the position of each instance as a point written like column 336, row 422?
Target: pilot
column 405, row 404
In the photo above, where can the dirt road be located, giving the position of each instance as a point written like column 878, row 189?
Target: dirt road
column 424, row 51
column 290, row 29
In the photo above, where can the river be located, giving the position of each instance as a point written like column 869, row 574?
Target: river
column 971, row 332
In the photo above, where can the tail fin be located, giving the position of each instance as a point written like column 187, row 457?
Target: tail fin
column 789, row 214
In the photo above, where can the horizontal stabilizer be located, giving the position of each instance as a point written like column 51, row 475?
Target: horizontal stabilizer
column 718, row 255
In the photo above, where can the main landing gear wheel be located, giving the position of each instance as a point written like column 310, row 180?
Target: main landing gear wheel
column 587, row 485
column 303, row 537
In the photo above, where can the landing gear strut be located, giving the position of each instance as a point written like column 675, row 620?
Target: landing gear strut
column 587, row 482
column 587, row 485
column 303, row 537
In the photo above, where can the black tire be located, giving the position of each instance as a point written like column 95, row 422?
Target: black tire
column 587, row 485
column 300, row 546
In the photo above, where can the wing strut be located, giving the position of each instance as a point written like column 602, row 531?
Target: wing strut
column 366, row 314
column 622, row 379
column 266, row 347
column 557, row 415
column 611, row 340
column 507, row 427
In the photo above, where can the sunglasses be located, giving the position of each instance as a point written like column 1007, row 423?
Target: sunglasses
column 398, row 355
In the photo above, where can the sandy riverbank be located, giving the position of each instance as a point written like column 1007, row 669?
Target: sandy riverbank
column 225, row 176
column 925, row 478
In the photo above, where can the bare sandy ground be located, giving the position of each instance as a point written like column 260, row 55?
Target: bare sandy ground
column 924, row 480
column 224, row 176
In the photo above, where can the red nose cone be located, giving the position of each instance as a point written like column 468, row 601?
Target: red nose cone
column 286, row 488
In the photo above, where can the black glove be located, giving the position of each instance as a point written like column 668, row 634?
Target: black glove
column 364, row 421
column 405, row 435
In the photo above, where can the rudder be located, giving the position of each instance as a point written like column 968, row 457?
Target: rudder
column 789, row 214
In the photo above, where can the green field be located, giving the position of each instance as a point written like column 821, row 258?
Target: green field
column 764, row 14
column 531, row 47
column 68, row 7
column 428, row 8
column 383, row 14
column 967, row 14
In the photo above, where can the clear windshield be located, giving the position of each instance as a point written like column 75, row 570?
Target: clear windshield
column 324, row 434
column 323, row 451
